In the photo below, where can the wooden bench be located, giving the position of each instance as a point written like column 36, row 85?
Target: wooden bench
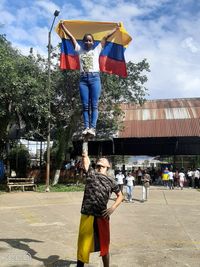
column 21, row 182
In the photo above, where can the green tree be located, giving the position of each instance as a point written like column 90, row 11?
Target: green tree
column 23, row 98
column 23, row 101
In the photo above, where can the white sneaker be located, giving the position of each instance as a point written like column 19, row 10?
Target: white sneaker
column 92, row 131
column 85, row 131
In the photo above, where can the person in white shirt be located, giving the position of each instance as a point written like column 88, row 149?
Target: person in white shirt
column 181, row 179
column 90, row 83
column 171, row 179
column 196, row 179
column 120, row 180
column 190, row 178
column 130, row 185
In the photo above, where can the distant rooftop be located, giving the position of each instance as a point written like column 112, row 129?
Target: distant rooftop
column 162, row 118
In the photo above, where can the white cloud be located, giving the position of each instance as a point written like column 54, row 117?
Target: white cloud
column 47, row 6
column 6, row 17
column 191, row 44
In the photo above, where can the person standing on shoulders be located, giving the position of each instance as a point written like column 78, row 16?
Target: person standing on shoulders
column 90, row 82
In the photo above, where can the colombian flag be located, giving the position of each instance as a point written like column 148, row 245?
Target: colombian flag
column 94, row 235
column 111, row 59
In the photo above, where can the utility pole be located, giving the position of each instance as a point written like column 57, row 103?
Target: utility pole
column 56, row 13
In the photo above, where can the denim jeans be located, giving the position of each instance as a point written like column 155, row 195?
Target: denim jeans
column 129, row 192
column 90, row 90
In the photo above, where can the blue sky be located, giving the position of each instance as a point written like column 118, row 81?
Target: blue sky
column 166, row 32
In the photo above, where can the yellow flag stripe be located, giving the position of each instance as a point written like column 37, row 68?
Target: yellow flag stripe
column 98, row 29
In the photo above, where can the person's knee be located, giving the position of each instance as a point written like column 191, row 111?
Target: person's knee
column 85, row 107
column 94, row 106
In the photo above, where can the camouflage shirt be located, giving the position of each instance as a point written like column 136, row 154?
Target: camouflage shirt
column 98, row 190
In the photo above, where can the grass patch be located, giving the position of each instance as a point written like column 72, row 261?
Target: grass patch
column 56, row 188
column 61, row 188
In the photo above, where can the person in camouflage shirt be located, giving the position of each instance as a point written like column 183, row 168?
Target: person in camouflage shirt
column 94, row 230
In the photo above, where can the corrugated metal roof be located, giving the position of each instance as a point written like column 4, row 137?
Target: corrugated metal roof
column 162, row 118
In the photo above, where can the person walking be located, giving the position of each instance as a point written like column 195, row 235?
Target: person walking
column 120, row 180
column 139, row 176
column 130, row 185
column 90, row 83
column 176, row 178
column 145, row 186
column 196, row 178
column 94, row 230
column 190, row 174
column 181, row 179
column 165, row 177
column 171, row 179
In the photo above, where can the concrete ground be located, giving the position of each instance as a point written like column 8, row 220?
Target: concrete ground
column 40, row 229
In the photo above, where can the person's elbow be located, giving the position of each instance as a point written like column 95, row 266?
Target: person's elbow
column 120, row 196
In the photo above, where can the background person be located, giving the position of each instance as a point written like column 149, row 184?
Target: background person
column 171, row 179
column 196, row 178
column 181, row 179
column 139, row 176
column 130, row 185
column 120, row 180
column 165, row 177
column 145, row 186
column 190, row 177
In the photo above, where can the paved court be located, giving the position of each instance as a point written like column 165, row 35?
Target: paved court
column 40, row 229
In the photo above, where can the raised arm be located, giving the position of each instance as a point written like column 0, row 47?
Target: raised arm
column 85, row 161
column 108, row 35
column 68, row 33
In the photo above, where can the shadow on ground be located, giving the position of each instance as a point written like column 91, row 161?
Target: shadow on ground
column 30, row 254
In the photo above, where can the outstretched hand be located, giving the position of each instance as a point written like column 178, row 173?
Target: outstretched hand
column 62, row 24
column 118, row 25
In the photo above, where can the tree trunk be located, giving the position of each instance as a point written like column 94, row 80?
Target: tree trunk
column 56, row 177
column 64, row 140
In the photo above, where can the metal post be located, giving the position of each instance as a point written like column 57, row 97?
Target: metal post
column 56, row 13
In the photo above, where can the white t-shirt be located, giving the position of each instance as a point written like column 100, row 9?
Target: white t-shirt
column 190, row 173
column 130, row 180
column 171, row 175
column 196, row 174
column 120, row 178
column 89, row 59
column 181, row 176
